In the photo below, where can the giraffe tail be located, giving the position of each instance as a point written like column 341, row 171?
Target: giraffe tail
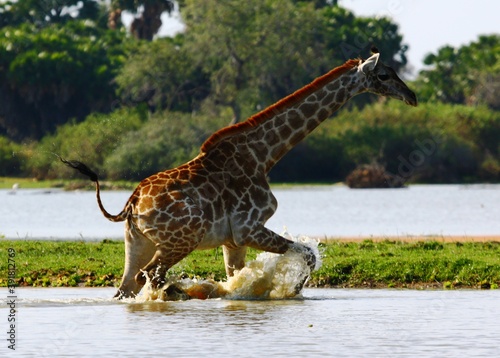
column 85, row 170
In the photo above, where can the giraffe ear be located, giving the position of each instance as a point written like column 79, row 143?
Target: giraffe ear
column 370, row 63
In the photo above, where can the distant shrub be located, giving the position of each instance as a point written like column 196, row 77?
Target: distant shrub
column 166, row 140
column 90, row 141
column 431, row 143
column 11, row 157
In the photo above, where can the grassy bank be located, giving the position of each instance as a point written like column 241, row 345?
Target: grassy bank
column 83, row 184
column 421, row 264
column 66, row 184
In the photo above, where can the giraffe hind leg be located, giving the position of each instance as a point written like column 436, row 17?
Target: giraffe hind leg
column 138, row 252
column 165, row 256
column 234, row 258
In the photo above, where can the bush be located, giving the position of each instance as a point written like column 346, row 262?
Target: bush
column 435, row 143
column 11, row 157
column 90, row 141
column 165, row 141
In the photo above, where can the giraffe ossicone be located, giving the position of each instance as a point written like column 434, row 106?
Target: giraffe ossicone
column 222, row 196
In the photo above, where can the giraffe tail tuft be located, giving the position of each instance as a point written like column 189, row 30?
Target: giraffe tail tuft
column 82, row 168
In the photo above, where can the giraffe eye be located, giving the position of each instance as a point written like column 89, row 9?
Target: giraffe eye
column 383, row 77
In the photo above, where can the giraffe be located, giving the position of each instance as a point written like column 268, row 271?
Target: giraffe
column 222, row 197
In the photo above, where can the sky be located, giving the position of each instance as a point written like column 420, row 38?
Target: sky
column 426, row 25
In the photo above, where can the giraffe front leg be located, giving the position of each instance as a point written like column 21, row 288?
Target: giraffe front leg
column 264, row 239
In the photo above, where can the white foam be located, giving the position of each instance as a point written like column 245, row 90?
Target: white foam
column 269, row 276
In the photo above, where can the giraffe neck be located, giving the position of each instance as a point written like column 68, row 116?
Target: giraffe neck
column 270, row 134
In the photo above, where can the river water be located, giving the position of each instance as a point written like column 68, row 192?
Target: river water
column 82, row 322
column 318, row 211
column 258, row 313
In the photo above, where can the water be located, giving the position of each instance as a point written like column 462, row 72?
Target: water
column 82, row 322
column 333, row 211
column 258, row 312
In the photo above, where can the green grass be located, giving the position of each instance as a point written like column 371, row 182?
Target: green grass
column 29, row 183
column 81, row 184
column 423, row 264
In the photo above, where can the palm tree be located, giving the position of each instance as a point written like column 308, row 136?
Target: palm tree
column 148, row 22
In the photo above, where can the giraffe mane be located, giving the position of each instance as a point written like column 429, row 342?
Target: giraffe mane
column 271, row 111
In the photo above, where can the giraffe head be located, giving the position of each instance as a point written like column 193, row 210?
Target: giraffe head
column 383, row 80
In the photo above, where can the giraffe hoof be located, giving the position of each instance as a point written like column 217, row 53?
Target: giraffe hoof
column 119, row 295
column 301, row 285
column 174, row 293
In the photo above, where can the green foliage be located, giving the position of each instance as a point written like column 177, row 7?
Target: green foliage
column 234, row 57
column 469, row 74
column 258, row 52
column 164, row 76
column 165, row 141
column 91, row 141
column 434, row 143
column 55, row 73
column 50, row 263
column 418, row 264
column 10, row 157
column 45, row 12
column 346, row 36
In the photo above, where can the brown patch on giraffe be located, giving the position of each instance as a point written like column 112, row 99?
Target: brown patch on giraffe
column 323, row 114
column 341, row 95
column 285, row 132
column 145, row 190
column 278, row 152
column 295, row 119
column 312, row 124
column 146, row 202
column 162, row 200
column 328, row 99
column 271, row 136
column 309, row 109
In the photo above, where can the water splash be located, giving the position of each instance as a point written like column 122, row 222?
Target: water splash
column 269, row 276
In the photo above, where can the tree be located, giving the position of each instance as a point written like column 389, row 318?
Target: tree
column 163, row 75
column 245, row 46
column 258, row 52
column 46, row 12
column 469, row 74
column 148, row 15
column 50, row 75
column 346, row 36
